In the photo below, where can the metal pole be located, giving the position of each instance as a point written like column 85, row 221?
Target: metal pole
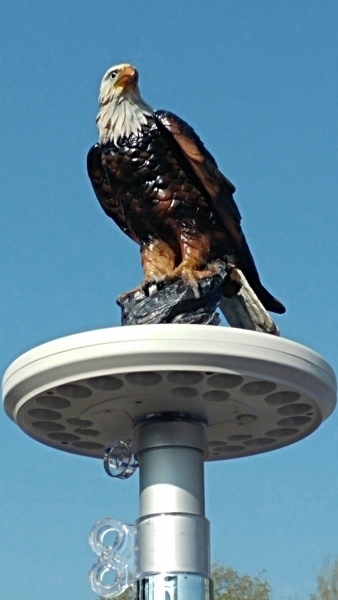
column 173, row 549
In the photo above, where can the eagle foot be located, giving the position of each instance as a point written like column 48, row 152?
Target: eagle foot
column 149, row 286
column 153, row 284
column 188, row 277
column 189, row 273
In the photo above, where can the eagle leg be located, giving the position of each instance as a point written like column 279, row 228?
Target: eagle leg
column 158, row 261
column 195, row 251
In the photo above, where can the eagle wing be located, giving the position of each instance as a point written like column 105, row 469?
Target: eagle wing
column 201, row 167
column 104, row 192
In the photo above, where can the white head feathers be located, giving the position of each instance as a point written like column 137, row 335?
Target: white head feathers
column 122, row 110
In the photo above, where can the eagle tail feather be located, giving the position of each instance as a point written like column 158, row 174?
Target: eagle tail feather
column 244, row 310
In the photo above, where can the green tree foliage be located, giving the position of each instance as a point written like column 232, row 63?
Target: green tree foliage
column 229, row 585
column 327, row 581
column 127, row 595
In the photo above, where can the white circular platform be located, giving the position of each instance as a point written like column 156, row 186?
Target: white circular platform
column 257, row 392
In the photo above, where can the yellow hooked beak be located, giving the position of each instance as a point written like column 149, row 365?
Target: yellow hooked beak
column 128, row 77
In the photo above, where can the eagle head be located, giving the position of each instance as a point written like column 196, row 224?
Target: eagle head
column 122, row 111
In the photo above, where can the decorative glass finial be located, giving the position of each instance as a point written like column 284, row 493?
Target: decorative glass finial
column 114, row 572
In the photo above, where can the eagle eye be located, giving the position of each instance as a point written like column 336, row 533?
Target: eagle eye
column 136, row 76
column 113, row 74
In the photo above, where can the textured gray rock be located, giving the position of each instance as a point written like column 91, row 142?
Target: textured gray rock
column 178, row 301
column 175, row 301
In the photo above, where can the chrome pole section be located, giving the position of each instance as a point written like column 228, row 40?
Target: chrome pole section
column 173, row 548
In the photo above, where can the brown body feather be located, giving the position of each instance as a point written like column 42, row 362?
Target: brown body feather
column 164, row 190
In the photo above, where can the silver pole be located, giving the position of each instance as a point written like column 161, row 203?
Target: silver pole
column 173, row 549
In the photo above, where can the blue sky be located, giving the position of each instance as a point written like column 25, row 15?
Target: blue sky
column 258, row 82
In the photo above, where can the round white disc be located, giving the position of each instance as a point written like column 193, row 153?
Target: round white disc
column 257, row 392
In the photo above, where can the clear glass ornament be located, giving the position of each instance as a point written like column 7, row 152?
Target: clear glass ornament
column 114, row 543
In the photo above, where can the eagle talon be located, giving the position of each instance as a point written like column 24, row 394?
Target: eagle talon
column 157, row 283
column 189, row 278
column 193, row 283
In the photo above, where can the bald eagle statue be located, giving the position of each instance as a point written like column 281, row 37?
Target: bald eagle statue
column 153, row 176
